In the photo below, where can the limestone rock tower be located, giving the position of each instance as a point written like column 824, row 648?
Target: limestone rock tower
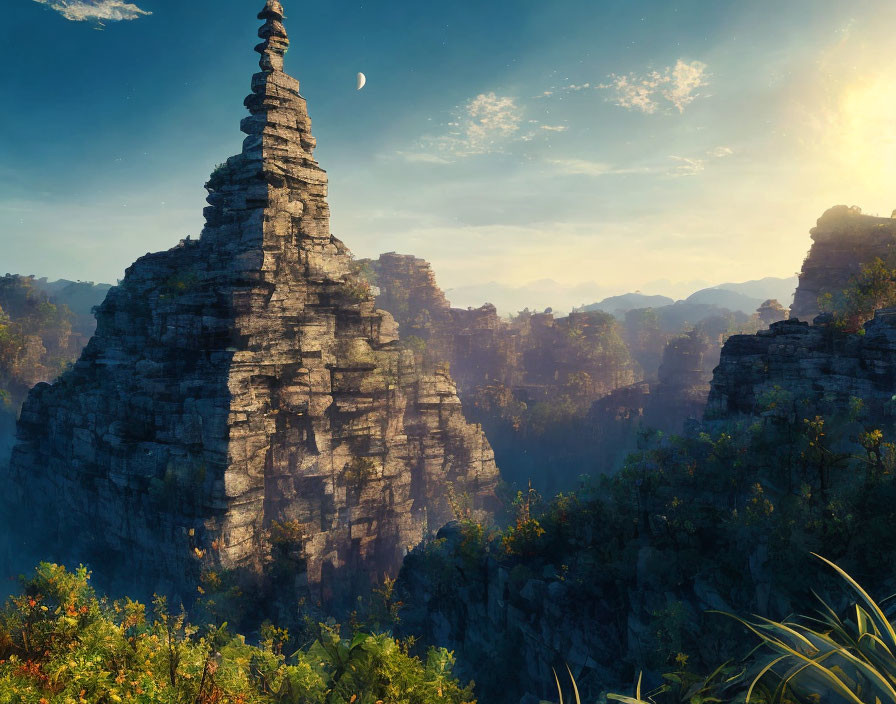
column 245, row 381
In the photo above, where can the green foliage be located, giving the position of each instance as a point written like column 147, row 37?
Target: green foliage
column 731, row 514
column 36, row 340
column 523, row 537
column 364, row 270
column 179, row 284
column 825, row 657
column 356, row 286
column 61, row 644
column 359, row 471
column 218, row 177
column 416, row 344
column 828, row 658
column 873, row 288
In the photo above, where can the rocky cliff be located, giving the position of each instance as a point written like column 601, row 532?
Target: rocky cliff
column 246, row 381
column 797, row 368
column 668, row 403
column 794, row 368
column 529, row 380
column 843, row 240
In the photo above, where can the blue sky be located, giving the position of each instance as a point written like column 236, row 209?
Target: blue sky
column 608, row 145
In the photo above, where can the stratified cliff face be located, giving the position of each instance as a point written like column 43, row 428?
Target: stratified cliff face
column 807, row 369
column 407, row 288
column 247, row 378
column 842, row 242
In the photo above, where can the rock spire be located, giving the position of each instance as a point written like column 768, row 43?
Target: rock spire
column 243, row 386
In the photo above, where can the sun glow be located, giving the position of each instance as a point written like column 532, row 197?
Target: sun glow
column 865, row 130
column 849, row 111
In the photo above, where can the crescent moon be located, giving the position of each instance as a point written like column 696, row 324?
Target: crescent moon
column 362, row 81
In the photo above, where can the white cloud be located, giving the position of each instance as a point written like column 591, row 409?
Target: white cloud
column 555, row 128
column 687, row 166
column 691, row 166
column 676, row 86
column 683, row 83
column 95, row 10
column 481, row 126
column 490, row 118
column 582, row 167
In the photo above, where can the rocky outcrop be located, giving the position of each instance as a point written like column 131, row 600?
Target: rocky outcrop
column 529, row 380
column 679, row 394
column 511, row 617
column 536, row 354
column 684, row 377
column 797, row 368
column 246, row 380
column 406, row 287
column 842, row 242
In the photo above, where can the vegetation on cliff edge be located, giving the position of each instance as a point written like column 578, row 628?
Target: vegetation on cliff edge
column 62, row 644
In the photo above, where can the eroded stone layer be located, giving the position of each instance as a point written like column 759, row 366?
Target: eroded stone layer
column 799, row 370
column 245, row 379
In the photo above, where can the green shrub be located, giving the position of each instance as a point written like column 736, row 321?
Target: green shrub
column 61, row 644
column 873, row 288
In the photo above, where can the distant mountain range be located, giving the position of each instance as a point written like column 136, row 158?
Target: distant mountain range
column 538, row 295
column 743, row 297
column 748, row 296
column 620, row 305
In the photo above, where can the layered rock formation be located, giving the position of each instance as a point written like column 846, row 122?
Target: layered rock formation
column 842, row 242
column 530, row 380
column 246, row 380
column 797, row 368
column 807, row 369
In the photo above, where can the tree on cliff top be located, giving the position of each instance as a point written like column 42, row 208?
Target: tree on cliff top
column 872, row 289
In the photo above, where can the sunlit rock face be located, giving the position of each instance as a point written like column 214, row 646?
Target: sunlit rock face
column 842, row 242
column 247, row 378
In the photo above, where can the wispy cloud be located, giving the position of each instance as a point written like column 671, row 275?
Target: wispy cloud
column 422, row 158
column 482, row 125
column 582, row 167
column 691, row 166
column 721, row 152
column 687, row 166
column 95, row 10
column 681, row 165
column 555, row 128
column 673, row 87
